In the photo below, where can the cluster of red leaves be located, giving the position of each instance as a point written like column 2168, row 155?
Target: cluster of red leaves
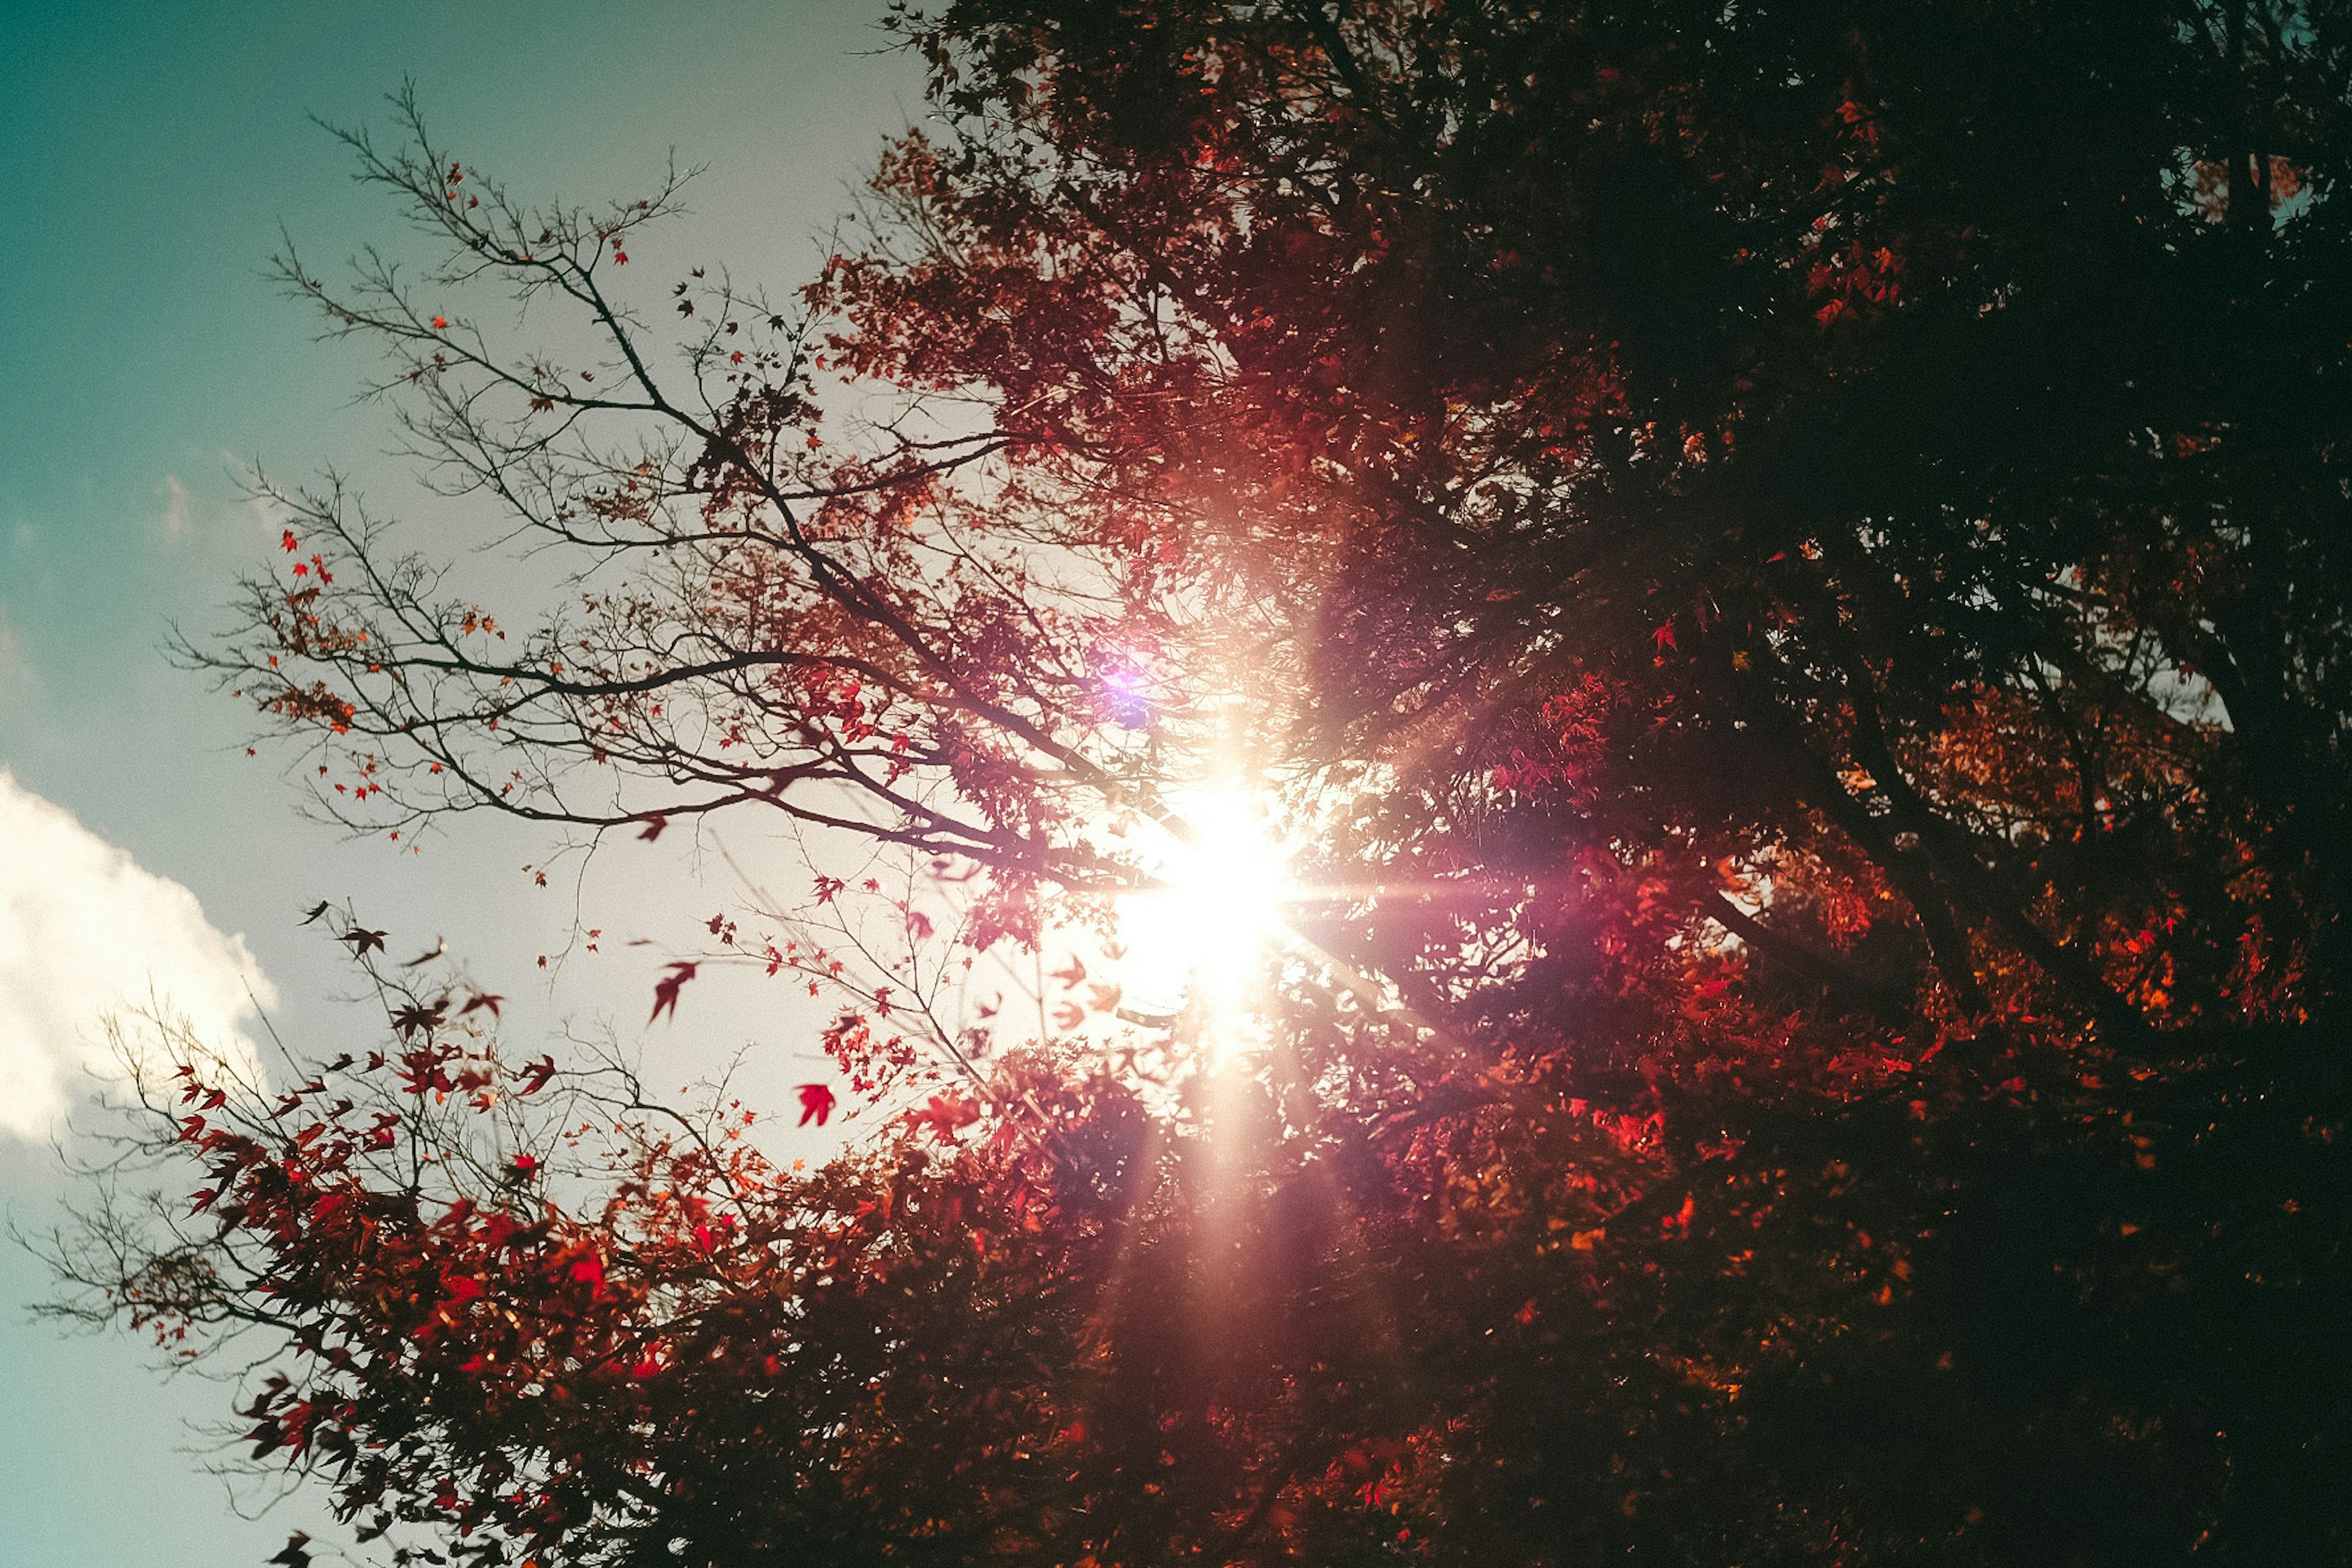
column 486, row 1307
column 867, row 1060
column 463, row 1352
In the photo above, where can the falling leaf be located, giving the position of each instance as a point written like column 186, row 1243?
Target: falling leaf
column 665, row 989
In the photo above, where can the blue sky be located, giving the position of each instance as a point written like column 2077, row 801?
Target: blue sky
column 149, row 156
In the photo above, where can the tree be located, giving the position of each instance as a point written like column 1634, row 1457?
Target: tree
column 1783, row 567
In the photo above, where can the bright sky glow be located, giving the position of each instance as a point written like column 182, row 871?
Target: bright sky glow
column 1205, row 936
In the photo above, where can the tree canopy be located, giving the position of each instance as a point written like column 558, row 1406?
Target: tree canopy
column 1778, row 573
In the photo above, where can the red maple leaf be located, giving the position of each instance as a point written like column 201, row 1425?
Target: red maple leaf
column 944, row 1114
column 665, row 989
column 418, row 1019
column 817, row 1103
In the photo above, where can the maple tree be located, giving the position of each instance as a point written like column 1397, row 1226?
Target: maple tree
column 1780, row 570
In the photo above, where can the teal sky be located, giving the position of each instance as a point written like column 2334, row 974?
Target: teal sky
column 149, row 155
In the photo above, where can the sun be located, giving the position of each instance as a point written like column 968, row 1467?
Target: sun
column 1203, row 936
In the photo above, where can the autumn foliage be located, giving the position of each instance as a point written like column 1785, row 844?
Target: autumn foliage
column 1781, row 571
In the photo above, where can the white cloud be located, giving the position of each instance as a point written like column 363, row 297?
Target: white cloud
column 84, row 930
column 175, row 508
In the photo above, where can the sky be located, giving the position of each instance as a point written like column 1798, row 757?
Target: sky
column 151, row 157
